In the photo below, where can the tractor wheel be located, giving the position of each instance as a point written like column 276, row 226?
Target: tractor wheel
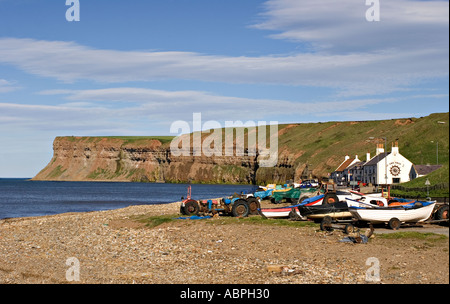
column 330, row 198
column 442, row 213
column 240, row 208
column 191, row 208
column 253, row 205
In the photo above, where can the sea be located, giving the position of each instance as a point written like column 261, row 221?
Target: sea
column 26, row 198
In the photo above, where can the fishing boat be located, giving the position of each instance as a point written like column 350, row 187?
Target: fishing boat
column 414, row 212
column 335, row 210
column 339, row 208
column 377, row 201
column 322, row 199
column 283, row 212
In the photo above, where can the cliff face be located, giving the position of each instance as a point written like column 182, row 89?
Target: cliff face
column 304, row 150
column 149, row 160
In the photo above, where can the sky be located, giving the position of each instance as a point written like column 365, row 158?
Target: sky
column 132, row 68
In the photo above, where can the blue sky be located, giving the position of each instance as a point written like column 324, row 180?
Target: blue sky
column 134, row 67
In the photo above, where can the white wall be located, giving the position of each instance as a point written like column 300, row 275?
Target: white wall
column 397, row 167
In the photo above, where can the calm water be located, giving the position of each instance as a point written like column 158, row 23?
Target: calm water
column 23, row 198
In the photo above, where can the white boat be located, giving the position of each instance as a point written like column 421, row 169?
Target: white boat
column 367, row 202
column 403, row 214
column 282, row 212
column 357, row 195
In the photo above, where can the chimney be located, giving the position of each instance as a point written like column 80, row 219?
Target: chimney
column 356, row 158
column 394, row 149
column 380, row 149
column 367, row 156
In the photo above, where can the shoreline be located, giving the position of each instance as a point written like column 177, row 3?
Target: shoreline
column 16, row 219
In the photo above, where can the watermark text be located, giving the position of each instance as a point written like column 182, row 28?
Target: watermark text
column 223, row 142
column 373, row 13
column 73, row 12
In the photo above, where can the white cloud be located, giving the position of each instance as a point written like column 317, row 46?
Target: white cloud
column 143, row 108
column 341, row 27
column 352, row 74
column 7, row 86
column 139, row 111
column 177, row 103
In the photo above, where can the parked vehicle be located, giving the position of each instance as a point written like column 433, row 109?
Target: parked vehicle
column 263, row 194
column 310, row 182
column 237, row 206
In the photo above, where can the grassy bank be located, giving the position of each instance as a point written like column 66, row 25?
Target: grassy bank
column 439, row 185
column 154, row 221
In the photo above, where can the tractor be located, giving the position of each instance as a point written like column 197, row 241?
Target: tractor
column 237, row 206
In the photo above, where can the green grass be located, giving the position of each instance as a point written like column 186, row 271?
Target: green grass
column 125, row 139
column 138, row 139
column 431, row 237
column 437, row 177
column 57, row 172
column 154, row 221
column 259, row 220
column 439, row 187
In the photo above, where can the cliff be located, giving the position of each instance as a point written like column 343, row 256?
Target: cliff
column 145, row 160
column 304, row 150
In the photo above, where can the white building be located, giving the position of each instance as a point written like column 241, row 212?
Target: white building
column 387, row 168
column 340, row 175
column 383, row 168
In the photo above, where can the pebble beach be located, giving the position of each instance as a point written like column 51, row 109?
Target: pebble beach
column 110, row 247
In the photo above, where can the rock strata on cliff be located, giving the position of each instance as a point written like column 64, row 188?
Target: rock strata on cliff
column 149, row 160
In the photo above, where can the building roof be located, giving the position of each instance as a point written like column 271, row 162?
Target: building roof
column 360, row 163
column 426, row 169
column 376, row 159
column 345, row 164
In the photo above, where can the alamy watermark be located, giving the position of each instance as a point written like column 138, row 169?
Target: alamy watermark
column 73, row 273
column 373, row 13
column 73, row 12
column 224, row 143
column 373, row 273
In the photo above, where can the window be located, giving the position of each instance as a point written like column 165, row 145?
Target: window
column 396, row 180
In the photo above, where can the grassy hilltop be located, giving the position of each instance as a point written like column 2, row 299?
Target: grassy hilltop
column 422, row 140
column 417, row 138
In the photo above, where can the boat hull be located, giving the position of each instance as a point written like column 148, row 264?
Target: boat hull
column 277, row 212
column 343, row 214
column 283, row 212
column 384, row 215
column 336, row 210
